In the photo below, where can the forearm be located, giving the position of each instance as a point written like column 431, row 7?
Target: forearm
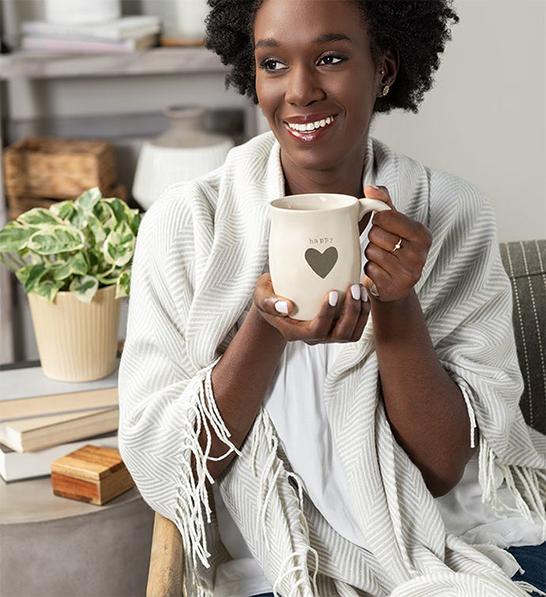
column 425, row 407
column 240, row 380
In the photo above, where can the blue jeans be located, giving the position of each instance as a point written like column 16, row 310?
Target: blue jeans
column 532, row 558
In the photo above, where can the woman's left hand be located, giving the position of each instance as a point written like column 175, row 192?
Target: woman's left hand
column 394, row 273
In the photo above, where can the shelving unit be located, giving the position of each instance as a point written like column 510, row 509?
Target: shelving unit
column 21, row 66
column 155, row 61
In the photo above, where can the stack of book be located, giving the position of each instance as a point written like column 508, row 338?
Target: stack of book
column 43, row 419
column 119, row 36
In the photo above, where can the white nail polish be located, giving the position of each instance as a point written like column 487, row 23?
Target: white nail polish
column 282, row 307
column 355, row 291
column 373, row 290
column 332, row 298
column 364, row 294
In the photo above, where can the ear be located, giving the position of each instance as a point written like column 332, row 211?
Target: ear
column 389, row 63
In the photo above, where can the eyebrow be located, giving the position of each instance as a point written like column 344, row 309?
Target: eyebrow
column 269, row 42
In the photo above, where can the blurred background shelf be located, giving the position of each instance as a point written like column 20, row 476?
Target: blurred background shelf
column 119, row 98
column 155, row 61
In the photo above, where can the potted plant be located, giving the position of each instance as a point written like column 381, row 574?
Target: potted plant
column 74, row 261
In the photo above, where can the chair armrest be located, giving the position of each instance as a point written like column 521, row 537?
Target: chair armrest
column 166, row 574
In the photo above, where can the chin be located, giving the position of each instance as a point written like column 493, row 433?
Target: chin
column 312, row 158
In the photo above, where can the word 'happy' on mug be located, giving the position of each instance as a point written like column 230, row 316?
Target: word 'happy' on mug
column 314, row 247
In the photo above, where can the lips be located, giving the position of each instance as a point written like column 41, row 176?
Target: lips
column 307, row 118
column 310, row 136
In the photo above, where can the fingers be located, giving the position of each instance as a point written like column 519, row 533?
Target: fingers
column 353, row 316
column 362, row 320
column 383, row 238
column 320, row 326
column 324, row 327
column 267, row 301
column 379, row 192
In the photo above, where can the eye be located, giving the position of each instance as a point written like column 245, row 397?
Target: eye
column 266, row 64
column 335, row 57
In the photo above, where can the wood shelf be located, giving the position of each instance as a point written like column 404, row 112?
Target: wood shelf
column 155, row 61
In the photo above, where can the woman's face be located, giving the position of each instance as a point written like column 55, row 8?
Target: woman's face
column 313, row 58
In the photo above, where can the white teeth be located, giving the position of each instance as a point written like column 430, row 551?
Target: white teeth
column 312, row 125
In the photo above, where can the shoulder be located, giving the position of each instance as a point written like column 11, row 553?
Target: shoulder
column 428, row 194
column 449, row 189
column 188, row 207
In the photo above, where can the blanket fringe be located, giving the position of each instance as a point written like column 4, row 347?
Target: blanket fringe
column 272, row 469
column 528, row 587
column 193, row 496
column 526, row 485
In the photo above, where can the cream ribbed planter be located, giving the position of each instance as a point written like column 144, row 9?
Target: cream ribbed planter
column 76, row 341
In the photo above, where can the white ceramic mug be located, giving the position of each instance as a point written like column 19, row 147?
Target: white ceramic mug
column 314, row 247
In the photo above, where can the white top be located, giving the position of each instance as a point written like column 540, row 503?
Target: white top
column 295, row 396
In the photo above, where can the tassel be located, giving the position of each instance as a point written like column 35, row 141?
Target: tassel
column 528, row 587
column 271, row 471
column 193, row 495
column 530, row 480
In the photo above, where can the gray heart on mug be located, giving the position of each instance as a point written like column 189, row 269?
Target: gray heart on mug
column 321, row 263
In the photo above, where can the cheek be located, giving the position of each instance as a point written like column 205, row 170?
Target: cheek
column 269, row 96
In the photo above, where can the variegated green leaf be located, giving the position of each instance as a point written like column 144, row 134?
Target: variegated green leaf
column 30, row 275
column 89, row 199
column 119, row 245
column 39, row 217
column 96, row 228
column 123, row 284
column 14, row 238
column 63, row 209
column 56, row 239
column 85, row 288
column 48, row 289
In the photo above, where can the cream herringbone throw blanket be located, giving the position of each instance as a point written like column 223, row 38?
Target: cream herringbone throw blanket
column 200, row 250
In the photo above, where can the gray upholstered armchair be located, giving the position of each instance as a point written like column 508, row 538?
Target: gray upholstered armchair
column 525, row 264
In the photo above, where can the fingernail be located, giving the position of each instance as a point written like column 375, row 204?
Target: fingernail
column 332, row 298
column 373, row 290
column 282, row 307
column 375, row 187
column 364, row 293
column 355, row 291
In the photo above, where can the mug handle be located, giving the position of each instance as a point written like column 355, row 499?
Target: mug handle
column 366, row 205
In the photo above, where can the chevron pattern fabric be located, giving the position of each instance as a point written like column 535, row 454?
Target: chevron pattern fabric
column 200, row 249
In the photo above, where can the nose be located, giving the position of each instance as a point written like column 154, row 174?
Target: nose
column 303, row 86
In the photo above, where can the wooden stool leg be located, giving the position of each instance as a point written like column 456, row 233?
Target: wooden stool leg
column 166, row 572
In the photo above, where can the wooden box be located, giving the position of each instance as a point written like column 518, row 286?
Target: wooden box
column 57, row 168
column 91, row 474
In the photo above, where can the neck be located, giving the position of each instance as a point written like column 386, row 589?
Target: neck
column 344, row 178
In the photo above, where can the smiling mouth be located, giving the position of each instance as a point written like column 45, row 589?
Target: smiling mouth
column 311, row 135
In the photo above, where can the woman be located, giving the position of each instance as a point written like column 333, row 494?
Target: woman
column 341, row 454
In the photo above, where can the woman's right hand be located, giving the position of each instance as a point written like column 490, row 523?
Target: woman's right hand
column 348, row 327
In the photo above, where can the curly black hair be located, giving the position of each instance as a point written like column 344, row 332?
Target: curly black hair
column 417, row 29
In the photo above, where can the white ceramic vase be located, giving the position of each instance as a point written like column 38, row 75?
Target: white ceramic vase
column 184, row 152
column 72, row 12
